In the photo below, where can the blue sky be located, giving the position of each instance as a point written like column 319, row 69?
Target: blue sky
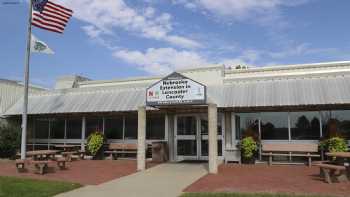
column 119, row 38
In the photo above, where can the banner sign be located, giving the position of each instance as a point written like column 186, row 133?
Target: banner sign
column 176, row 89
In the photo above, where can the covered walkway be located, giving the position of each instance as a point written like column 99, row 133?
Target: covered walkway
column 168, row 179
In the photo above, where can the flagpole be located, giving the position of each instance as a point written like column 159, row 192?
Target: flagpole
column 26, row 84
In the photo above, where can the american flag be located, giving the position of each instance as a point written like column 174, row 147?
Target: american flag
column 50, row 16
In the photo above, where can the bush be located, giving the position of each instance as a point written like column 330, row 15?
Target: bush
column 10, row 140
column 334, row 144
column 95, row 142
column 249, row 147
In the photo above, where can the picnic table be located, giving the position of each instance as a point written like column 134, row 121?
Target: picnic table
column 341, row 164
column 69, row 150
column 41, row 159
column 41, row 154
column 344, row 155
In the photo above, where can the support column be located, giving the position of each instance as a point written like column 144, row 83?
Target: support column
column 213, row 138
column 83, row 129
column 141, row 138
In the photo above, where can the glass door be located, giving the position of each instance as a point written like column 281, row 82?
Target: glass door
column 204, row 144
column 191, row 137
column 186, row 135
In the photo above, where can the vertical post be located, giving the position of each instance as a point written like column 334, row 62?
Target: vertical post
column 83, row 129
column 260, row 147
column 103, row 125
column 213, row 138
column 49, row 136
column 141, row 136
column 123, row 128
column 26, row 84
column 65, row 131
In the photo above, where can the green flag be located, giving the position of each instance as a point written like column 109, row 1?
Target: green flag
column 38, row 46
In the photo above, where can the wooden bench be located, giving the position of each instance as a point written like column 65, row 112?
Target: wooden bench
column 328, row 172
column 291, row 150
column 41, row 166
column 20, row 165
column 121, row 148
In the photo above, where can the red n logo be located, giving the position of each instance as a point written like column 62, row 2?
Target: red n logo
column 150, row 93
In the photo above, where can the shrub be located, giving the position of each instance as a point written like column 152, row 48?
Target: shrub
column 249, row 147
column 95, row 142
column 337, row 144
column 334, row 144
column 10, row 140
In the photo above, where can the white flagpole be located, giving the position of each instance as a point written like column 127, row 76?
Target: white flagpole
column 26, row 84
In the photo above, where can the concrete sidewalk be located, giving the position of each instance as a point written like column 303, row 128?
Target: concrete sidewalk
column 165, row 180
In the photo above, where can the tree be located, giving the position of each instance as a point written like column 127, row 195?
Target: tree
column 10, row 140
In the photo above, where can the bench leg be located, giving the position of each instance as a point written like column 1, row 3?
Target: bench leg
column 321, row 173
column 41, row 168
column 327, row 176
column 69, row 157
column 20, row 167
column 61, row 165
column 270, row 160
column 309, row 162
column 342, row 176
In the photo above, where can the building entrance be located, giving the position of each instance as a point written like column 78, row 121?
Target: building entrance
column 191, row 137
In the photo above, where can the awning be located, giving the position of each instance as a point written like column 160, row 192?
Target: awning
column 273, row 92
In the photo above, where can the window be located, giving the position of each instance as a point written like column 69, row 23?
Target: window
column 247, row 124
column 204, row 125
column 336, row 123
column 155, row 128
column 93, row 125
column 114, row 127
column 186, row 125
column 305, row 125
column 74, row 127
column 219, row 122
column 274, row 126
column 131, row 127
column 30, row 129
column 343, row 120
column 57, row 128
column 42, row 128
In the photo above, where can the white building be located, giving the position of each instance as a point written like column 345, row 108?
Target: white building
column 12, row 91
column 286, row 104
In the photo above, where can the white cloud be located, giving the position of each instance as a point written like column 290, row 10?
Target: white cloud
column 261, row 11
column 92, row 31
column 301, row 50
column 149, row 12
column 166, row 60
column 106, row 15
column 162, row 60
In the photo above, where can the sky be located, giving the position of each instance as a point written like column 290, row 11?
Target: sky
column 114, row 39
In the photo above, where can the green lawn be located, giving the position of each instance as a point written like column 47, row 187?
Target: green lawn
column 242, row 195
column 18, row 187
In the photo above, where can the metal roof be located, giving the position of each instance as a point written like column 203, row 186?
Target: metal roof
column 10, row 92
column 271, row 92
column 276, row 92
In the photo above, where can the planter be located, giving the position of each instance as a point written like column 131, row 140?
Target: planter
column 248, row 160
column 251, row 160
column 99, row 155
